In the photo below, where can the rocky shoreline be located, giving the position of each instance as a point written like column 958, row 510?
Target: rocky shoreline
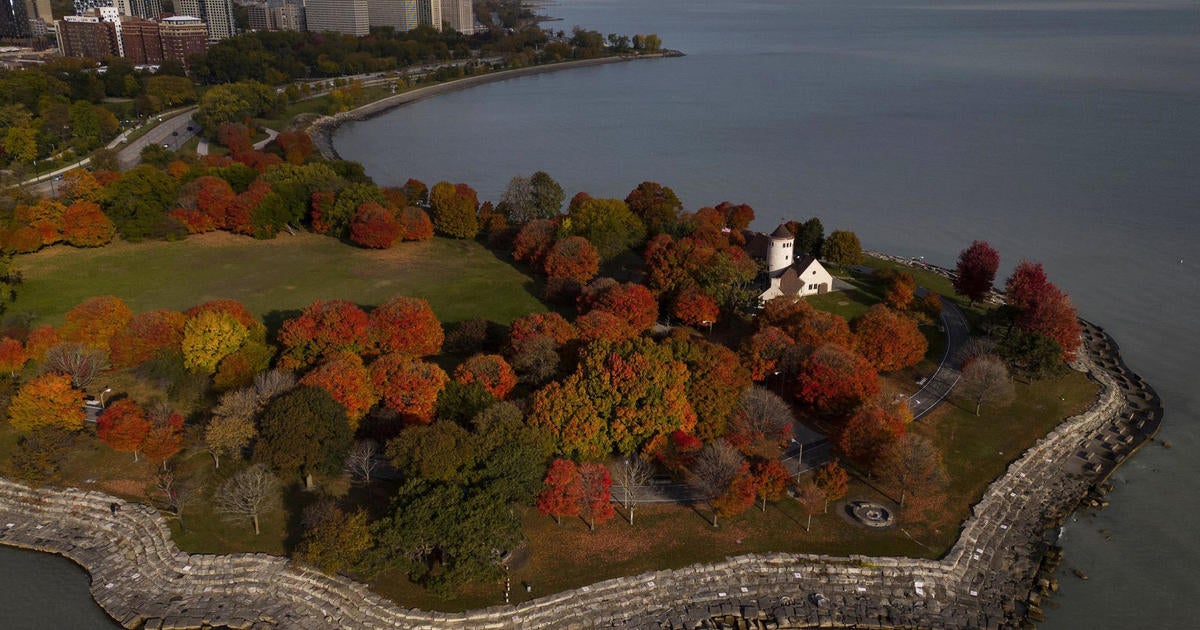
column 993, row 577
column 322, row 129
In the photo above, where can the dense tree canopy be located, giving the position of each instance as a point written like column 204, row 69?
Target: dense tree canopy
column 304, row 431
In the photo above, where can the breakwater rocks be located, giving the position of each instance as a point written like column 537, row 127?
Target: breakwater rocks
column 989, row 579
column 322, row 129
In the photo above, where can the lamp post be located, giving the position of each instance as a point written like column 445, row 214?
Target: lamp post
column 106, row 390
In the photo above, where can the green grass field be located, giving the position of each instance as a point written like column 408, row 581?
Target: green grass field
column 461, row 279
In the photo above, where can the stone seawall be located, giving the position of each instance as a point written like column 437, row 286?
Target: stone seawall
column 143, row 580
column 323, row 128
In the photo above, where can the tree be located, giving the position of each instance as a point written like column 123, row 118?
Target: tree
column 867, row 434
column 208, row 337
column 530, row 198
column 407, row 325
column 40, row 340
column 715, row 383
column 408, row 386
column 80, row 362
column 333, row 540
column 489, row 370
column 913, row 465
column 607, row 224
column 811, row 498
column 716, row 467
column 655, row 204
column 563, row 490
column 804, row 324
column 760, row 353
column 415, row 192
column 137, row 202
column 760, row 422
column 228, row 434
column 633, row 303
column 628, row 476
column 176, row 492
column 361, row 460
column 985, row 381
column 533, row 242
column 305, row 431
column 452, row 208
column 47, row 400
column 810, row 237
column 976, row 270
column 595, row 499
column 323, row 327
column 842, row 248
column 346, row 379
column 597, row 325
column 145, row 335
column 1031, row 354
column 251, row 493
column 1043, row 308
column 549, row 325
column 565, row 411
column 85, row 225
column 835, row 380
column 443, row 451
column 415, row 224
column 12, row 356
column 901, row 291
column 832, row 480
column 95, row 320
column 165, row 438
column 771, row 480
column 695, row 308
column 888, row 340
column 123, row 426
column 239, row 368
column 374, row 226
column 572, row 258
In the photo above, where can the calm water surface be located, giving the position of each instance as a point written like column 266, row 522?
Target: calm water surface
column 1064, row 132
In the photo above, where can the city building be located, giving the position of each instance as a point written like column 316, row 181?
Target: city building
column 142, row 41
column 217, row 15
column 398, row 14
column 24, row 18
column 147, row 9
column 351, row 17
column 276, row 15
column 458, row 15
column 429, row 13
column 182, row 37
column 87, row 36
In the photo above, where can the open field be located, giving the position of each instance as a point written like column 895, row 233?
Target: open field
column 461, row 279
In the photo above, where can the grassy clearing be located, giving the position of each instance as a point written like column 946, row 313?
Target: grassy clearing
column 461, row 279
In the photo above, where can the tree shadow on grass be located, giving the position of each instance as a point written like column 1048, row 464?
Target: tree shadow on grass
column 295, row 500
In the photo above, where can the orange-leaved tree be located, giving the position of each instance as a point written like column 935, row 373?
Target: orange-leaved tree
column 695, row 308
column 145, row 335
column 563, row 492
column 489, row 370
column 85, row 225
column 595, row 500
column 404, row 324
column 12, row 356
column 374, row 226
column 48, row 400
column 95, row 320
column 408, row 386
column 572, row 258
column 888, row 339
column 123, row 426
column 165, row 437
column 835, row 381
column 347, row 381
column 323, row 327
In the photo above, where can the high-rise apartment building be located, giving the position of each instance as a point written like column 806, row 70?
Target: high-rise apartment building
column 142, row 41
column 429, row 13
column 458, row 15
column 217, row 15
column 148, row 9
column 276, row 15
column 182, row 37
column 88, row 36
column 398, row 14
column 351, row 17
column 22, row 18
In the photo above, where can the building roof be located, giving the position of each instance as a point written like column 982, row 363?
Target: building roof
column 782, row 232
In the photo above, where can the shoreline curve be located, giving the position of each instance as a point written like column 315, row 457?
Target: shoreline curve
column 322, row 129
column 987, row 579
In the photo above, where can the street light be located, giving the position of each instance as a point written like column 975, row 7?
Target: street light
column 106, row 390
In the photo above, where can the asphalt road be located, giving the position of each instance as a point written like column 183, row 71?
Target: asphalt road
column 173, row 131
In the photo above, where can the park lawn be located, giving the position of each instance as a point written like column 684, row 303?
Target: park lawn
column 460, row 279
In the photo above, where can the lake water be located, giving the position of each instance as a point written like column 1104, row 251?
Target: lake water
column 1062, row 132
column 1066, row 132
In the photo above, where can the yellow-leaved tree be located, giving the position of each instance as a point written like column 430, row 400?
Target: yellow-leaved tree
column 48, row 400
column 208, row 337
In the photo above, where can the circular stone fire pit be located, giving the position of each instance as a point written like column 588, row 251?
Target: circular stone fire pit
column 871, row 514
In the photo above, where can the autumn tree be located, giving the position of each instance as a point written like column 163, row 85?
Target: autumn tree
column 95, row 320
column 985, row 381
column 911, row 465
column 572, row 258
column 833, row 481
column 888, row 340
column 374, row 226
column 976, row 271
column 533, row 242
column 565, row 411
column 40, row 340
column 323, row 327
column 901, row 291
column 654, row 204
column 228, row 434
column 12, row 356
column 714, row 470
column 771, row 480
column 716, row 381
column 760, row 422
column 145, row 335
column 695, row 308
column 415, row 224
column 811, row 498
column 738, row 497
column 408, row 386
column 123, row 426
column 85, row 225
column 595, row 500
column 47, row 400
column 334, row 540
column 760, row 352
column 209, row 337
column 628, row 475
column 549, row 325
column 489, row 370
column 304, row 431
column 346, row 379
column 165, row 437
column 407, row 325
column 452, row 208
column 250, row 493
column 834, row 380
column 597, row 325
column 1042, row 308
column 82, row 363
column 415, row 192
column 563, row 492
column 868, row 433
column 633, row 303
column 804, row 324
column 607, row 224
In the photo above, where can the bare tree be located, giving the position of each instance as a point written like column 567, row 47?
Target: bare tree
column 361, row 461
column 268, row 385
column 250, row 493
column 628, row 475
column 226, row 435
column 985, row 381
column 81, row 362
column 715, row 468
column 811, row 498
column 912, row 464
column 175, row 492
column 766, row 414
column 238, row 403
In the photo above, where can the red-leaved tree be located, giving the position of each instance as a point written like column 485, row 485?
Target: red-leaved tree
column 596, row 496
column 374, row 226
column 760, row 353
column 323, row 327
column 415, row 224
column 534, row 241
column 834, row 380
column 404, row 324
column 12, row 356
column 123, row 426
column 408, row 386
column 489, row 370
column 572, row 258
column 888, row 339
column 563, row 491
column 633, row 303
column 695, row 308
column 145, row 335
column 347, row 381
column 976, row 270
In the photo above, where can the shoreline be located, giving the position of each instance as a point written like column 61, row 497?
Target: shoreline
column 991, row 577
column 323, row 129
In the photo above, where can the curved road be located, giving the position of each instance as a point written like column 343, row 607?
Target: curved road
column 938, row 386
